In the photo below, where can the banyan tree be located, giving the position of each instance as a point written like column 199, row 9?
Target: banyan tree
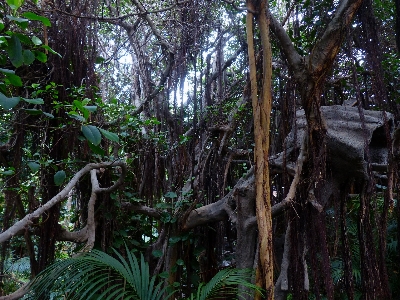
column 203, row 135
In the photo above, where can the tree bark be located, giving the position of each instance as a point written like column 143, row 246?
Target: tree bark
column 261, row 116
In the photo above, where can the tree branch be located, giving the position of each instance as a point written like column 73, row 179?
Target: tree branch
column 278, row 208
column 294, row 59
column 27, row 220
column 325, row 50
column 222, row 209
column 23, row 290
column 142, row 209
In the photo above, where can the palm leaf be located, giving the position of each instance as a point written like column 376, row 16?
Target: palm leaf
column 227, row 281
column 97, row 273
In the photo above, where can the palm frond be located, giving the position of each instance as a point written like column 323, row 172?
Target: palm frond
column 97, row 273
column 227, row 281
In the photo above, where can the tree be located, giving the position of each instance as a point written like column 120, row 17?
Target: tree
column 146, row 129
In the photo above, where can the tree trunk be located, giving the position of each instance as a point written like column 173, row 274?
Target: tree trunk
column 261, row 116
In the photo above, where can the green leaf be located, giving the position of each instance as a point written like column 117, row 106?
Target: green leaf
column 99, row 60
column 15, row 4
column 91, row 108
column 110, row 135
column 76, row 116
column 1, row 26
column 92, row 134
column 163, row 205
column 34, row 17
column 40, row 56
column 180, row 262
column 8, row 172
column 15, row 80
column 36, row 40
column 157, row 253
column 7, row 71
column 8, row 103
column 50, row 50
column 96, row 149
column 34, row 101
column 48, row 115
column 174, row 239
column 59, row 177
column 34, row 166
column 79, row 106
column 164, row 275
column 33, row 111
column 29, row 57
column 16, row 19
column 170, row 195
column 97, row 275
column 14, row 51
column 24, row 38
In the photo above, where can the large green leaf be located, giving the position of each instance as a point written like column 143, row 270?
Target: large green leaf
column 8, row 103
column 15, row 4
column 24, row 39
column 21, row 22
column 157, row 253
column 15, row 80
column 91, row 108
column 7, row 71
column 79, row 106
column 110, row 135
column 34, row 166
column 7, row 172
column 29, row 57
column 14, row 51
column 59, row 177
column 174, row 239
column 171, row 195
column 40, row 56
column 92, row 134
column 34, row 17
column 36, row 40
column 33, row 111
column 76, row 116
column 48, row 115
column 34, row 101
column 96, row 149
column 17, row 19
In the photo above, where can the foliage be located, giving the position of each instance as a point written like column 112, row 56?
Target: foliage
column 97, row 275
column 169, row 95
